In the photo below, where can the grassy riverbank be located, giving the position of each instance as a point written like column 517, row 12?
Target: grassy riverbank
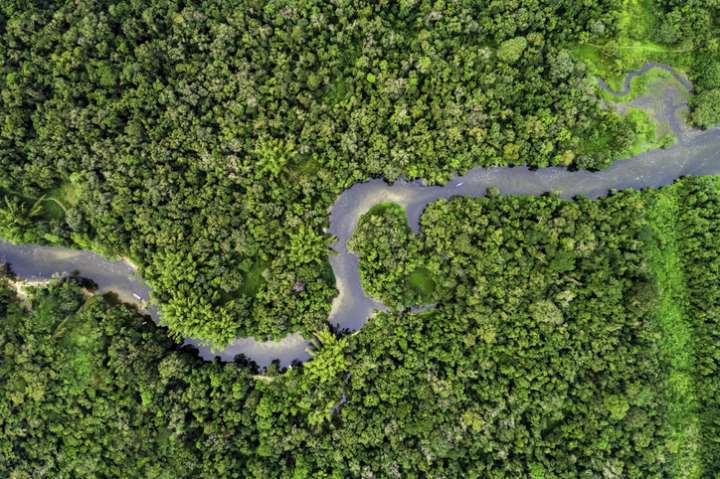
column 663, row 252
column 698, row 221
column 572, row 337
column 653, row 83
column 635, row 44
column 680, row 34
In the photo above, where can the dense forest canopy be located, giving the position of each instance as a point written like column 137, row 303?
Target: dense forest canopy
column 697, row 21
column 550, row 353
column 206, row 140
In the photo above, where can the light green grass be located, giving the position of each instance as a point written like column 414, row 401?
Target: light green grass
column 55, row 202
column 647, row 138
column 58, row 200
column 633, row 47
column 253, row 278
column 613, row 60
column 676, row 335
column 68, row 193
column 645, row 128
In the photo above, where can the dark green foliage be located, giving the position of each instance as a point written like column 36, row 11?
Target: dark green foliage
column 385, row 243
column 421, row 285
column 523, row 279
column 390, row 270
column 695, row 22
column 92, row 390
column 559, row 270
column 205, row 139
column 541, row 359
column 706, row 111
column 70, row 398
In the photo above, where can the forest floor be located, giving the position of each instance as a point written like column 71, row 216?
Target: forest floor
column 655, row 97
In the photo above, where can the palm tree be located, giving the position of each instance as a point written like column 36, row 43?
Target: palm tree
column 16, row 213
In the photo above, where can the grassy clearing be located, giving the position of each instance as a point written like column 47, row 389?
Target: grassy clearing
column 54, row 203
column 421, row 285
column 612, row 61
column 59, row 199
column 633, row 47
column 646, row 129
column 253, row 278
column 68, row 193
column 676, row 334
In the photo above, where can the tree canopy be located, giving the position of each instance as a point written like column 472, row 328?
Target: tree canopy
column 206, row 140
column 545, row 356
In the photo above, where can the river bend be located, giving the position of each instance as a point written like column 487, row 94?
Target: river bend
column 696, row 153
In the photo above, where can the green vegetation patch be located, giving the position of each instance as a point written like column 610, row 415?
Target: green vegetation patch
column 384, row 241
column 80, row 340
column 572, row 337
column 664, row 250
column 680, row 34
column 698, row 228
column 636, row 131
column 421, row 284
column 636, row 43
column 652, row 84
column 59, row 200
column 253, row 279
column 221, row 132
column 528, row 261
column 646, row 129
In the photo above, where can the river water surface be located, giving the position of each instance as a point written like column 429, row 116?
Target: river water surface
column 696, row 153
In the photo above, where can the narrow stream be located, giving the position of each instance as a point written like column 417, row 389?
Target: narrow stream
column 696, row 153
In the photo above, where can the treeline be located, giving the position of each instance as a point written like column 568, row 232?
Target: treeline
column 696, row 24
column 554, row 268
column 91, row 389
column 699, row 224
column 540, row 359
column 206, row 140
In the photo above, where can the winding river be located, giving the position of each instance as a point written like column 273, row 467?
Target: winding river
column 695, row 153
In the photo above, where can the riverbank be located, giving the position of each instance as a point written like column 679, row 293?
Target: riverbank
column 698, row 155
